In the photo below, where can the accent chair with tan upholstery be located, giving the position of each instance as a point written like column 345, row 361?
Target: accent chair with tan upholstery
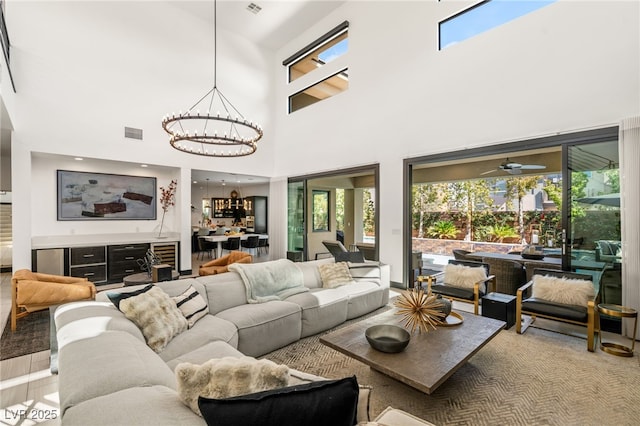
column 34, row 291
column 221, row 265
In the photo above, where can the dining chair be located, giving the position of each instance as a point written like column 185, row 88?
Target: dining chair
column 263, row 245
column 509, row 274
column 232, row 243
column 251, row 243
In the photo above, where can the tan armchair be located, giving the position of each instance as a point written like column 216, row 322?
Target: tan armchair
column 221, row 265
column 33, row 291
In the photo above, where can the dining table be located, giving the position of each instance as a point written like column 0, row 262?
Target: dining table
column 222, row 238
column 576, row 264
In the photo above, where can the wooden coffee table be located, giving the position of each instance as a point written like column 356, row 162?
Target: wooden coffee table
column 429, row 359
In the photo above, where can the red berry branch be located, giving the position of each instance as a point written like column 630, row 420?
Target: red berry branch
column 168, row 198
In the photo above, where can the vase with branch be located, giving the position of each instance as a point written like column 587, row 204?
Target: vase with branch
column 167, row 200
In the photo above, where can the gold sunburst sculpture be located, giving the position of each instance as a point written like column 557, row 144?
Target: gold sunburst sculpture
column 420, row 310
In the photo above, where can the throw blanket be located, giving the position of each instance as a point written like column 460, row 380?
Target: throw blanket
column 267, row 281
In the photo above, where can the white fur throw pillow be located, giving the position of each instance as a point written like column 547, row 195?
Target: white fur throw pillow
column 562, row 290
column 156, row 315
column 335, row 274
column 226, row 377
column 463, row 276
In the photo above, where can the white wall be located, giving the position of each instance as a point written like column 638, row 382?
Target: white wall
column 85, row 70
column 570, row 66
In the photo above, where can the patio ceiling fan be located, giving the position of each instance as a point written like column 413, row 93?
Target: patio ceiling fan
column 514, row 168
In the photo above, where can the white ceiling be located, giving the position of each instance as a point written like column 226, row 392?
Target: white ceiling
column 277, row 23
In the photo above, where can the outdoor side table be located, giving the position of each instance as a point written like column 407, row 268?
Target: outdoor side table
column 501, row 307
column 618, row 311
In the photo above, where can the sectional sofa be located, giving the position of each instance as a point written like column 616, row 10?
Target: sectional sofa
column 109, row 375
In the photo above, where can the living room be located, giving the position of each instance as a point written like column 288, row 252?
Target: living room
column 85, row 70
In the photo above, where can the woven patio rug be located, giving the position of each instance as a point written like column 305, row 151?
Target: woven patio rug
column 538, row 378
column 31, row 335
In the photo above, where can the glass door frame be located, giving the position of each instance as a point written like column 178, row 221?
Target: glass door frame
column 605, row 134
column 373, row 168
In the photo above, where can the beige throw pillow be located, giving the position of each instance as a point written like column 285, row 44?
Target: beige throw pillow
column 156, row 315
column 463, row 276
column 565, row 291
column 226, row 377
column 335, row 274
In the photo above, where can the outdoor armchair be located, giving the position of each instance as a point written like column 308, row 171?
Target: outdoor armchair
column 583, row 297
column 471, row 292
column 33, row 291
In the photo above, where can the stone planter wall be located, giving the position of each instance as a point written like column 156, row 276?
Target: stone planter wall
column 446, row 247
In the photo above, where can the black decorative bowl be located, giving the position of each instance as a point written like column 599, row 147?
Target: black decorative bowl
column 532, row 256
column 387, row 338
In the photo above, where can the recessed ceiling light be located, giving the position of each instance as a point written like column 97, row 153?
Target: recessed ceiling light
column 143, row 165
column 195, row 181
column 254, row 8
column 78, row 158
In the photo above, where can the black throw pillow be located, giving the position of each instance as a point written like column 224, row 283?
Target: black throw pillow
column 117, row 297
column 321, row 403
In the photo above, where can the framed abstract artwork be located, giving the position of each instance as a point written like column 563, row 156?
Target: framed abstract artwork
column 103, row 196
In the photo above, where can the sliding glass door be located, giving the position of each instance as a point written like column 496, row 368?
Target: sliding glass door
column 335, row 206
column 593, row 212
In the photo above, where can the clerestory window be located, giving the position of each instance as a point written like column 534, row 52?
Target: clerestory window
column 312, row 58
column 484, row 16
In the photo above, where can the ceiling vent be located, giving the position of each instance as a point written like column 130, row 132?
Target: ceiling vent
column 132, row 133
column 254, row 8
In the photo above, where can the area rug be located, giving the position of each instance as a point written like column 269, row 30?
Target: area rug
column 538, row 378
column 31, row 335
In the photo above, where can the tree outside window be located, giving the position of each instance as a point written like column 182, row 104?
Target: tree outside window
column 320, row 211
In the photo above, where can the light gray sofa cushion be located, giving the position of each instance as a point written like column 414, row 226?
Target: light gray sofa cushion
column 321, row 309
column 224, row 291
column 113, row 361
column 149, row 405
column 208, row 329
column 310, row 272
column 206, row 352
column 265, row 327
column 81, row 320
column 364, row 297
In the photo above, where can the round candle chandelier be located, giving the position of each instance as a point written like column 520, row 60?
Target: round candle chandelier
column 212, row 127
